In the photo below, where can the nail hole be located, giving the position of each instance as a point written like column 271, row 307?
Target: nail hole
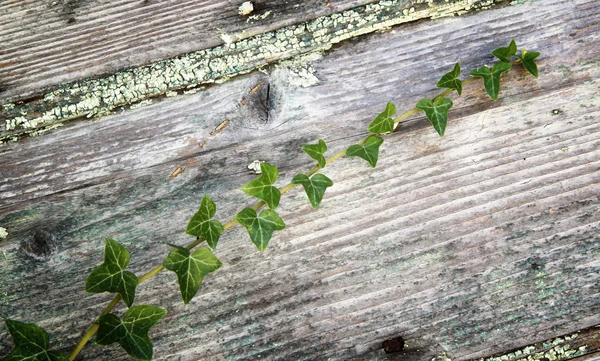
column 394, row 345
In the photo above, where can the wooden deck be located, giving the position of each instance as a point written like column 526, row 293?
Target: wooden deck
column 475, row 244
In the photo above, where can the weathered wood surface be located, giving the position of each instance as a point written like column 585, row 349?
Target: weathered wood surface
column 49, row 42
column 581, row 345
column 100, row 95
column 472, row 244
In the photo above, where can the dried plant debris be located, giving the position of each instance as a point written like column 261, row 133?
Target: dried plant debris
column 177, row 172
column 221, row 126
column 246, row 8
column 100, row 96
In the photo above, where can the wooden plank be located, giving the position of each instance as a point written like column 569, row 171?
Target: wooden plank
column 98, row 97
column 475, row 243
column 579, row 345
column 43, row 43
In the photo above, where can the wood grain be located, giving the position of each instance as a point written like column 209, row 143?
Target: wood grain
column 140, row 85
column 583, row 344
column 472, row 244
column 49, row 42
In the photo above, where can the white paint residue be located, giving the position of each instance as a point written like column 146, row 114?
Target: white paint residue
column 259, row 17
column 255, row 166
column 303, row 77
column 300, row 71
column 227, row 39
column 143, row 103
column 441, row 358
column 3, row 232
column 246, row 8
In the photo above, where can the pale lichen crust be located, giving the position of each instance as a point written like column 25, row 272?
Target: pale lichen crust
column 100, row 96
column 556, row 349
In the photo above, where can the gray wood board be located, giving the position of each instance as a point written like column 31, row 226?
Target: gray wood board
column 129, row 87
column 47, row 42
column 481, row 241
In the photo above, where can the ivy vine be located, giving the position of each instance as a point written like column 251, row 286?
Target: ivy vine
column 191, row 263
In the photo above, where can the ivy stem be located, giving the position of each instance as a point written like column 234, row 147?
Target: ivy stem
column 405, row 115
column 94, row 328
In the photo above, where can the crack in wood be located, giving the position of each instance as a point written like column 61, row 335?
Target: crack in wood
column 95, row 97
column 567, row 347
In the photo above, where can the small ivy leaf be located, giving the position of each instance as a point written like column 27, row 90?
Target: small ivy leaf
column 437, row 112
column 369, row 151
column 201, row 224
column 315, row 187
column 260, row 227
column 528, row 61
column 262, row 187
column 190, row 268
column 31, row 343
column 316, row 151
column 504, row 54
column 450, row 80
column 383, row 123
column 131, row 332
column 111, row 276
column 491, row 77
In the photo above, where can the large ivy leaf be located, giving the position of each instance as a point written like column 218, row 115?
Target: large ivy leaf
column 131, row 332
column 437, row 112
column 31, row 343
column 528, row 61
column 368, row 151
column 383, row 123
column 491, row 77
column 201, row 224
column 450, row 80
column 111, row 276
column 190, row 268
column 260, row 227
column 315, row 187
column 316, row 151
column 262, row 187
column 504, row 54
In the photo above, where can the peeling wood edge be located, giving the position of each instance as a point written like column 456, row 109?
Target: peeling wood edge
column 135, row 87
column 572, row 346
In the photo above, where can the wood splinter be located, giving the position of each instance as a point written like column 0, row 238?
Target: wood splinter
column 256, row 87
column 221, row 126
column 177, row 172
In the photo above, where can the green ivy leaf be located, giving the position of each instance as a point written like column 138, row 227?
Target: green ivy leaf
column 383, row 123
column 262, row 187
column 31, row 343
column 528, row 61
column 315, row 187
column 260, row 227
column 450, row 80
column 437, row 112
column 368, row 151
column 316, row 151
column 111, row 276
column 491, row 77
column 131, row 332
column 201, row 224
column 190, row 268
column 504, row 54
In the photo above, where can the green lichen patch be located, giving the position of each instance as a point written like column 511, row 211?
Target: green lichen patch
column 100, row 96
